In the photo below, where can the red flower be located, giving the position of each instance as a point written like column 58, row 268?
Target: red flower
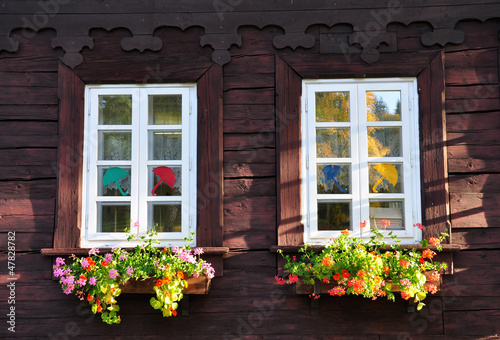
column 174, row 312
column 294, row 258
column 98, row 301
column 336, row 276
column 419, row 226
column 431, row 289
column 99, row 309
column 345, row 273
column 166, row 280
column 363, row 224
column 90, row 298
column 385, row 223
column 293, row 278
column 159, row 282
column 428, row 254
column 104, row 264
column 421, row 260
column 433, row 241
column 404, row 263
column 346, row 232
column 361, row 273
column 405, row 295
column 279, row 280
column 386, row 269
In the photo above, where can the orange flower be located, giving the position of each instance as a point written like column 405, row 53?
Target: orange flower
column 90, row 298
column 377, row 280
column 361, row 273
column 346, row 232
column 166, row 280
column 159, row 282
column 326, row 261
column 363, row 224
column 428, row 254
column 174, row 312
column 98, row 301
column 405, row 295
column 433, row 241
column 385, row 223
column 99, row 309
column 431, row 289
column 104, row 264
column 404, row 263
column 180, row 275
column 387, row 254
column 386, row 269
column 345, row 273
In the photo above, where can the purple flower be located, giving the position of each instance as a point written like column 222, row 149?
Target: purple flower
column 69, row 289
column 198, row 251
column 59, row 261
column 130, row 271
column 136, row 224
column 58, row 272
column 196, row 274
column 108, row 257
column 67, row 271
column 123, row 256
column 93, row 281
column 93, row 251
column 113, row 273
column 67, row 280
column 115, row 248
column 85, row 263
column 82, row 281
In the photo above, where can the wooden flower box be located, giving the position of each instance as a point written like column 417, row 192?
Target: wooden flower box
column 323, row 288
column 196, row 285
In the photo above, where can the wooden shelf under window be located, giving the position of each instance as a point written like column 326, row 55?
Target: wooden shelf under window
column 85, row 251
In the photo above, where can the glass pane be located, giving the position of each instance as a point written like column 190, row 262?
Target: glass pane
column 383, row 105
column 332, row 106
column 113, row 217
column 115, row 110
column 115, row 145
column 165, row 145
column 114, row 181
column 333, row 143
column 384, row 142
column 334, row 179
column 386, row 178
column 167, row 217
column 334, row 215
column 390, row 211
column 165, row 109
column 165, row 181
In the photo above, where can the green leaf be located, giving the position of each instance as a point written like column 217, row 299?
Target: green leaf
column 421, row 296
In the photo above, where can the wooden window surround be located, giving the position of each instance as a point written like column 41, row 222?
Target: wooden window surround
column 208, row 77
column 428, row 68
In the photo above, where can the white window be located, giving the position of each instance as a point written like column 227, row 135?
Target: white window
column 360, row 158
column 139, row 163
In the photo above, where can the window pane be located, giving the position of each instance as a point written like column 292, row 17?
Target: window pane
column 384, row 142
column 167, row 217
column 115, row 145
column 165, row 181
column 334, row 179
column 334, row 215
column 333, row 143
column 391, row 211
column 332, row 107
column 385, row 178
column 115, row 110
column 114, row 181
column 113, row 217
column 383, row 105
column 165, row 109
column 165, row 145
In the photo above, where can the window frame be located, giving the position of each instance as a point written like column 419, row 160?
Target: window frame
column 359, row 158
column 426, row 66
column 139, row 163
column 71, row 88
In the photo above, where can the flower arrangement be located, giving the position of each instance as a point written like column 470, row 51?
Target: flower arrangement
column 369, row 268
column 98, row 277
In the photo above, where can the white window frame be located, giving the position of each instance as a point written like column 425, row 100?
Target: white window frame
column 140, row 196
column 359, row 159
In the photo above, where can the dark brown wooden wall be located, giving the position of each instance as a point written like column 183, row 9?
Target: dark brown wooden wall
column 246, row 303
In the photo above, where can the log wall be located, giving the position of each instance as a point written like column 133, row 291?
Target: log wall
column 246, row 303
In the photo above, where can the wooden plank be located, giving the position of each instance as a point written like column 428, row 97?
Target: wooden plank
column 210, row 163
column 472, row 58
column 28, row 157
column 249, row 187
column 248, row 126
column 471, row 76
column 250, row 64
column 484, row 137
column 473, row 91
column 42, row 222
column 254, row 239
column 478, row 183
column 27, row 206
column 28, row 79
column 248, row 112
column 472, row 323
column 473, row 151
column 26, row 172
column 249, row 96
column 70, row 151
column 250, row 213
column 473, row 165
column 473, row 122
column 28, row 112
column 482, row 238
column 288, row 158
column 45, row 188
column 433, row 155
column 233, row 169
column 471, row 105
column 248, row 81
column 474, row 210
column 250, row 156
column 240, row 142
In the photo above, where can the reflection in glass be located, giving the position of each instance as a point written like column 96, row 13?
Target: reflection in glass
column 167, row 217
column 165, row 109
column 115, row 145
column 332, row 106
column 163, row 189
column 113, row 217
column 115, row 110
column 334, row 215
column 391, row 211
column 116, row 182
column 333, row 143
column 383, row 105
column 384, row 142
column 167, row 145
column 385, row 178
column 333, row 178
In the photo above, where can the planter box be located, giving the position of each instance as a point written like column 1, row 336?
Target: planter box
column 323, row 288
column 196, row 285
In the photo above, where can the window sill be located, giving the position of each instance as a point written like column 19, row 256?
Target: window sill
column 85, row 251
